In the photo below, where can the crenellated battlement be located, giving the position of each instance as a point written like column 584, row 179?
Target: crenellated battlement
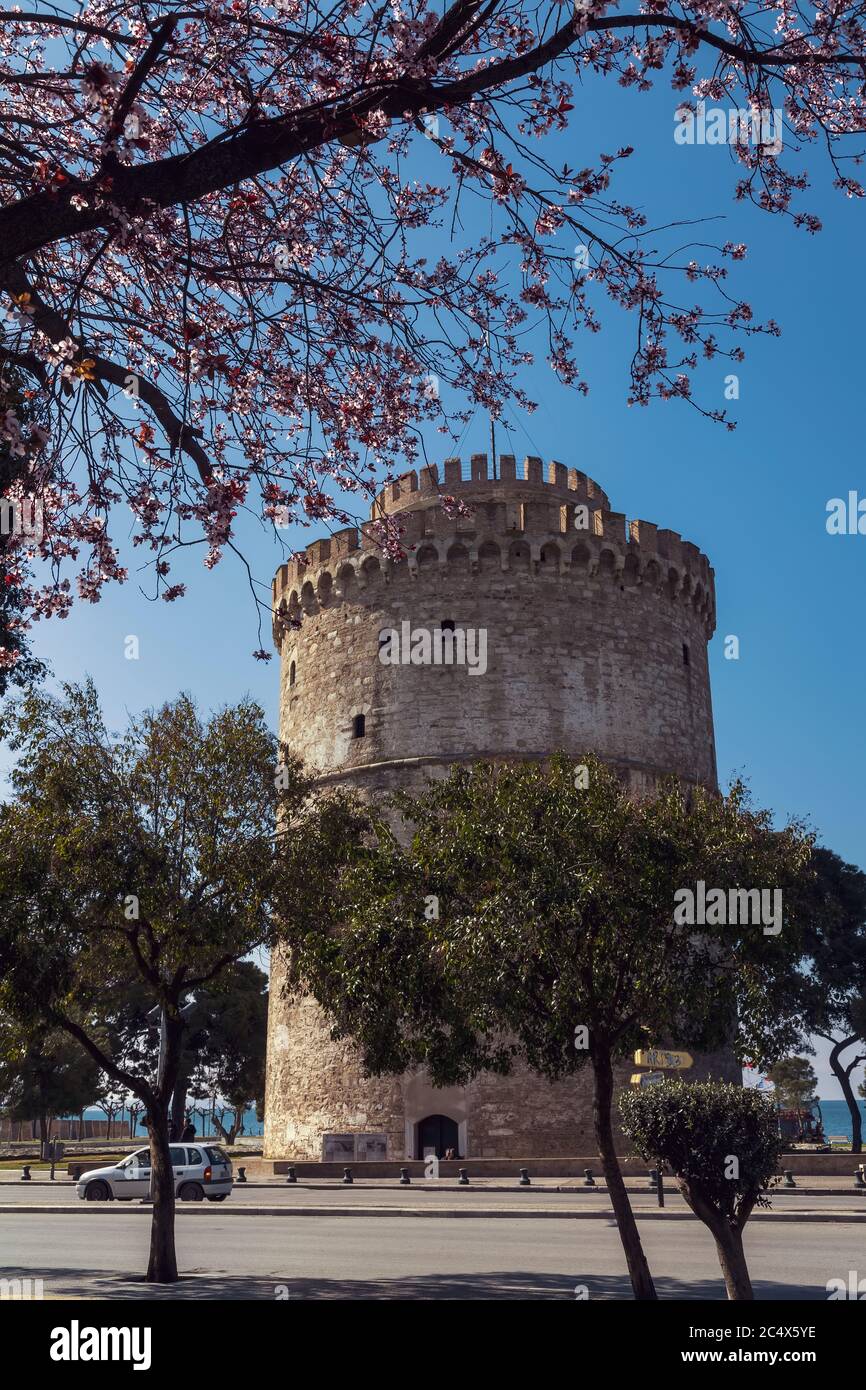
column 550, row 529
column 475, row 480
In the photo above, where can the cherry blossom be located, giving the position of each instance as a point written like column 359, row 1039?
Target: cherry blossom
column 217, row 221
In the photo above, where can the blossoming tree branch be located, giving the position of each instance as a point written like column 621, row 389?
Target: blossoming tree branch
column 238, row 239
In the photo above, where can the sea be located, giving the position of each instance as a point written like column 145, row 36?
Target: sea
column 252, row 1126
column 837, row 1119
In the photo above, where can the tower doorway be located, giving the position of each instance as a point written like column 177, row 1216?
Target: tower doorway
column 439, row 1133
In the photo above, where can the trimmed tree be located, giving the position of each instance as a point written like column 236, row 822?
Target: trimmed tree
column 722, row 1144
column 146, row 864
column 111, row 1101
column 531, row 916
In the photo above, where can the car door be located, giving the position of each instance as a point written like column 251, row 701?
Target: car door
column 195, row 1163
column 179, row 1165
column 137, row 1180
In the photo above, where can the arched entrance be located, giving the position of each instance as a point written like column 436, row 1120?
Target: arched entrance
column 439, row 1133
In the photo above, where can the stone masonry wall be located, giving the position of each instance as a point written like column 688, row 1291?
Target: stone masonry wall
column 596, row 642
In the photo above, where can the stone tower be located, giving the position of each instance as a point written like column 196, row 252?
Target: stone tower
column 596, row 637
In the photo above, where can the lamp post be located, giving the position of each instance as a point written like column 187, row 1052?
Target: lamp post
column 159, row 1012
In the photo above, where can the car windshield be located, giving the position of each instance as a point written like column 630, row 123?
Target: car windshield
column 216, row 1155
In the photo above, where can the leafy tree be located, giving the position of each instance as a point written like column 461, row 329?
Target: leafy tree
column 227, row 1038
column 795, row 1081
column 111, row 1101
column 43, row 1074
column 224, row 222
column 722, row 1144
column 157, row 858
column 830, row 980
column 525, row 907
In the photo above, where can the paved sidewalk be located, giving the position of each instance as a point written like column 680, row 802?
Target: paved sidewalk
column 805, row 1185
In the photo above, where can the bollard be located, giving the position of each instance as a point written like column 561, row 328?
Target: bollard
column 291, row 1176
column 404, row 1177
column 462, row 1179
column 789, row 1178
column 347, row 1175
column 25, row 1176
column 242, row 1175
column 859, row 1180
column 588, row 1179
column 524, row 1178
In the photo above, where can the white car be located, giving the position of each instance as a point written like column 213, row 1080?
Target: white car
column 200, row 1170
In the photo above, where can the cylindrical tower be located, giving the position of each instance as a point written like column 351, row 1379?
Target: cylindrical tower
column 579, row 633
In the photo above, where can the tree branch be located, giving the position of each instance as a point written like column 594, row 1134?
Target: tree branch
column 55, row 327
column 257, row 146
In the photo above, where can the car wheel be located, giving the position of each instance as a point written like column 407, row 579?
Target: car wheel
column 220, row 1197
column 97, row 1192
column 191, row 1192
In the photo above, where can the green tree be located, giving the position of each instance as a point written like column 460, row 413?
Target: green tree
column 795, row 1081
column 111, row 1100
column 525, row 906
column 44, row 1075
column 830, row 980
column 722, row 1144
column 149, row 862
column 227, row 1028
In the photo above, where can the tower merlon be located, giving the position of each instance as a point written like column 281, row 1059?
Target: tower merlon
column 532, row 516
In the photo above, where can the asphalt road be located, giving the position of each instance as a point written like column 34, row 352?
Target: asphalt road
column 404, row 1258
column 419, row 1195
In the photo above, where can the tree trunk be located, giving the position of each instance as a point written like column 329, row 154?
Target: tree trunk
column 728, row 1238
column 162, row 1264
column 843, row 1076
column 178, row 1105
column 639, row 1272
column 729, row 1245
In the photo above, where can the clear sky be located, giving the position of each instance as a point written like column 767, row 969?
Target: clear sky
column 789, row 712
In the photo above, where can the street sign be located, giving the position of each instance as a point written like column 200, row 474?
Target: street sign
column 659, row 1057
column 647, row 1078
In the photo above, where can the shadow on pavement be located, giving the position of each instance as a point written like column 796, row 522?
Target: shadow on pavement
column 78, row 1284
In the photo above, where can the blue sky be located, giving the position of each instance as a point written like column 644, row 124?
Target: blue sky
column 789, row 712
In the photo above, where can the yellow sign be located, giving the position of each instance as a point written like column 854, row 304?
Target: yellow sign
column 647, row 1078
column 659, row 1057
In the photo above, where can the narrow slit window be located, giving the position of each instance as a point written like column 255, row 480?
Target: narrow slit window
column 359, row 726
column 292, row 674
column 685, row 654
